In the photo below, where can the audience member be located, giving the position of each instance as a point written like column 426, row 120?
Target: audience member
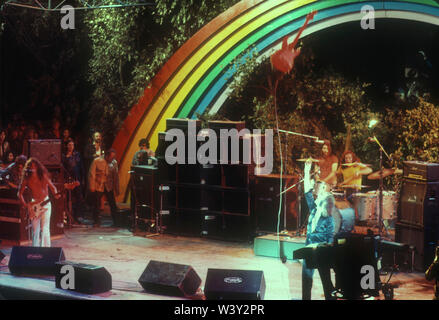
column 4, row 145
column 96, row 182
column 112, row 182
column 15, row 143
column 8, row 159
column 72, row 162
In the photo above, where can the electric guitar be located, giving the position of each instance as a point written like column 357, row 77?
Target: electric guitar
column 37, row 209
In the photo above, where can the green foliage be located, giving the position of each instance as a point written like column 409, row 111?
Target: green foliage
column 46, row 68
column 416, row 133
column 324, row 103
column 318, row 103
column 130, row 45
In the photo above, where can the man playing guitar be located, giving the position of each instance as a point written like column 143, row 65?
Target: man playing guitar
column 36, row 178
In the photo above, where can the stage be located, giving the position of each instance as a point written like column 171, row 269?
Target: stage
column 126, row 255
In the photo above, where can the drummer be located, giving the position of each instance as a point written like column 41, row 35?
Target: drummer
column 328, row 164
column 352, row 170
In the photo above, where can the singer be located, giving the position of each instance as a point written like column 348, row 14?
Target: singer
column 36, row 178
column 320, row 229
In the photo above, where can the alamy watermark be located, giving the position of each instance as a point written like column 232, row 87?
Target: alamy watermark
column 368, row 19
column 68, row 20
column 207, row 152
column 368, row 280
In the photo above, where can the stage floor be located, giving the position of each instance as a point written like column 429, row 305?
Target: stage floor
column 125, row 256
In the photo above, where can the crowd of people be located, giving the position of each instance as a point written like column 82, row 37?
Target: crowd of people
column 92, row 172
column 14, row 137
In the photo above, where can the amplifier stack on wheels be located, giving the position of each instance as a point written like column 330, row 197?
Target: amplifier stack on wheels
column 209, row 200
column 418, row 211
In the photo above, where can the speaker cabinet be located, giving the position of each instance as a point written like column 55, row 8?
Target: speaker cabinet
column 266, row 202
column 12, row 217
column 88, row 278
column 226, row 284
column 48, row 151
column 35, row 260
column 169, row 279
column 144, row 190
column 424, row 239
column 419, row 202
column 419, row 170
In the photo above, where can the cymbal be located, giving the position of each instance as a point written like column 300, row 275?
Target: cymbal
column 311, row 159
column 356, row 164
column 386, row 173
column 353, row 186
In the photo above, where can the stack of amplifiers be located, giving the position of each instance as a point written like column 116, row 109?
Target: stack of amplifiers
column 12, row 217
column 418, row 211
column 14, row 224
column 210, row 200
column 144, row 184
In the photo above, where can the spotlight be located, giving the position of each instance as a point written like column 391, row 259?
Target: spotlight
column 372, row 123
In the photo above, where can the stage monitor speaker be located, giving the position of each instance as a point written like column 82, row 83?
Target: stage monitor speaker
column 419, row 202
column 88, row 278
column 35, row 260
column 225, row 284
column 48, row 151
column 170, row 279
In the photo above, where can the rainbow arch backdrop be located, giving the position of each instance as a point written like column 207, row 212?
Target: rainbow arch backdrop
column 196, row 78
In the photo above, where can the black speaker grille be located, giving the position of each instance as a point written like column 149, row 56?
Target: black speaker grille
column 169, row 279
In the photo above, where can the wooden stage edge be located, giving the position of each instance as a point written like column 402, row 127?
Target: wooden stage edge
column 126, row 255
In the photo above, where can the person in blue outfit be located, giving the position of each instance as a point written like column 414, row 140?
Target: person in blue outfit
column 320, row 229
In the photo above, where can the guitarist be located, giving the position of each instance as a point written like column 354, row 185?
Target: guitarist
column 36, row 178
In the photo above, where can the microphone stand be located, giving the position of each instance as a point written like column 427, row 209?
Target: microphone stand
column 381, row 187
column 298, row 134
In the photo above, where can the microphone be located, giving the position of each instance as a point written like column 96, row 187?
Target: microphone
column 319, row 141
column 370, row 139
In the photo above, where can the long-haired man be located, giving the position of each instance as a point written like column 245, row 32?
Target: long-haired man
column 36, row 178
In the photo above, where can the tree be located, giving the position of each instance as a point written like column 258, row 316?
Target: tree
column 130, row 45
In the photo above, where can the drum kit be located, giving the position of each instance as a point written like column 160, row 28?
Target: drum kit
column 365, row 204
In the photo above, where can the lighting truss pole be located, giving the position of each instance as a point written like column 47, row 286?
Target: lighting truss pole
column 56, row 5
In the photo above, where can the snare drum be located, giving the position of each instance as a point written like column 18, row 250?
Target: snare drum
column 365, row 205
column 339, row 196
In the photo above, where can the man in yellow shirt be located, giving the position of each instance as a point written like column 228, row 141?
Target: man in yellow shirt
column 352, row 170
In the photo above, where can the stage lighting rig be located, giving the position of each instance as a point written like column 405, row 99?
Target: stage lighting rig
column 56, row 5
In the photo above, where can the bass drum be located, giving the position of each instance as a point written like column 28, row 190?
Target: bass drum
column 390, row 204
column 344, row 220
column 365, row 205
